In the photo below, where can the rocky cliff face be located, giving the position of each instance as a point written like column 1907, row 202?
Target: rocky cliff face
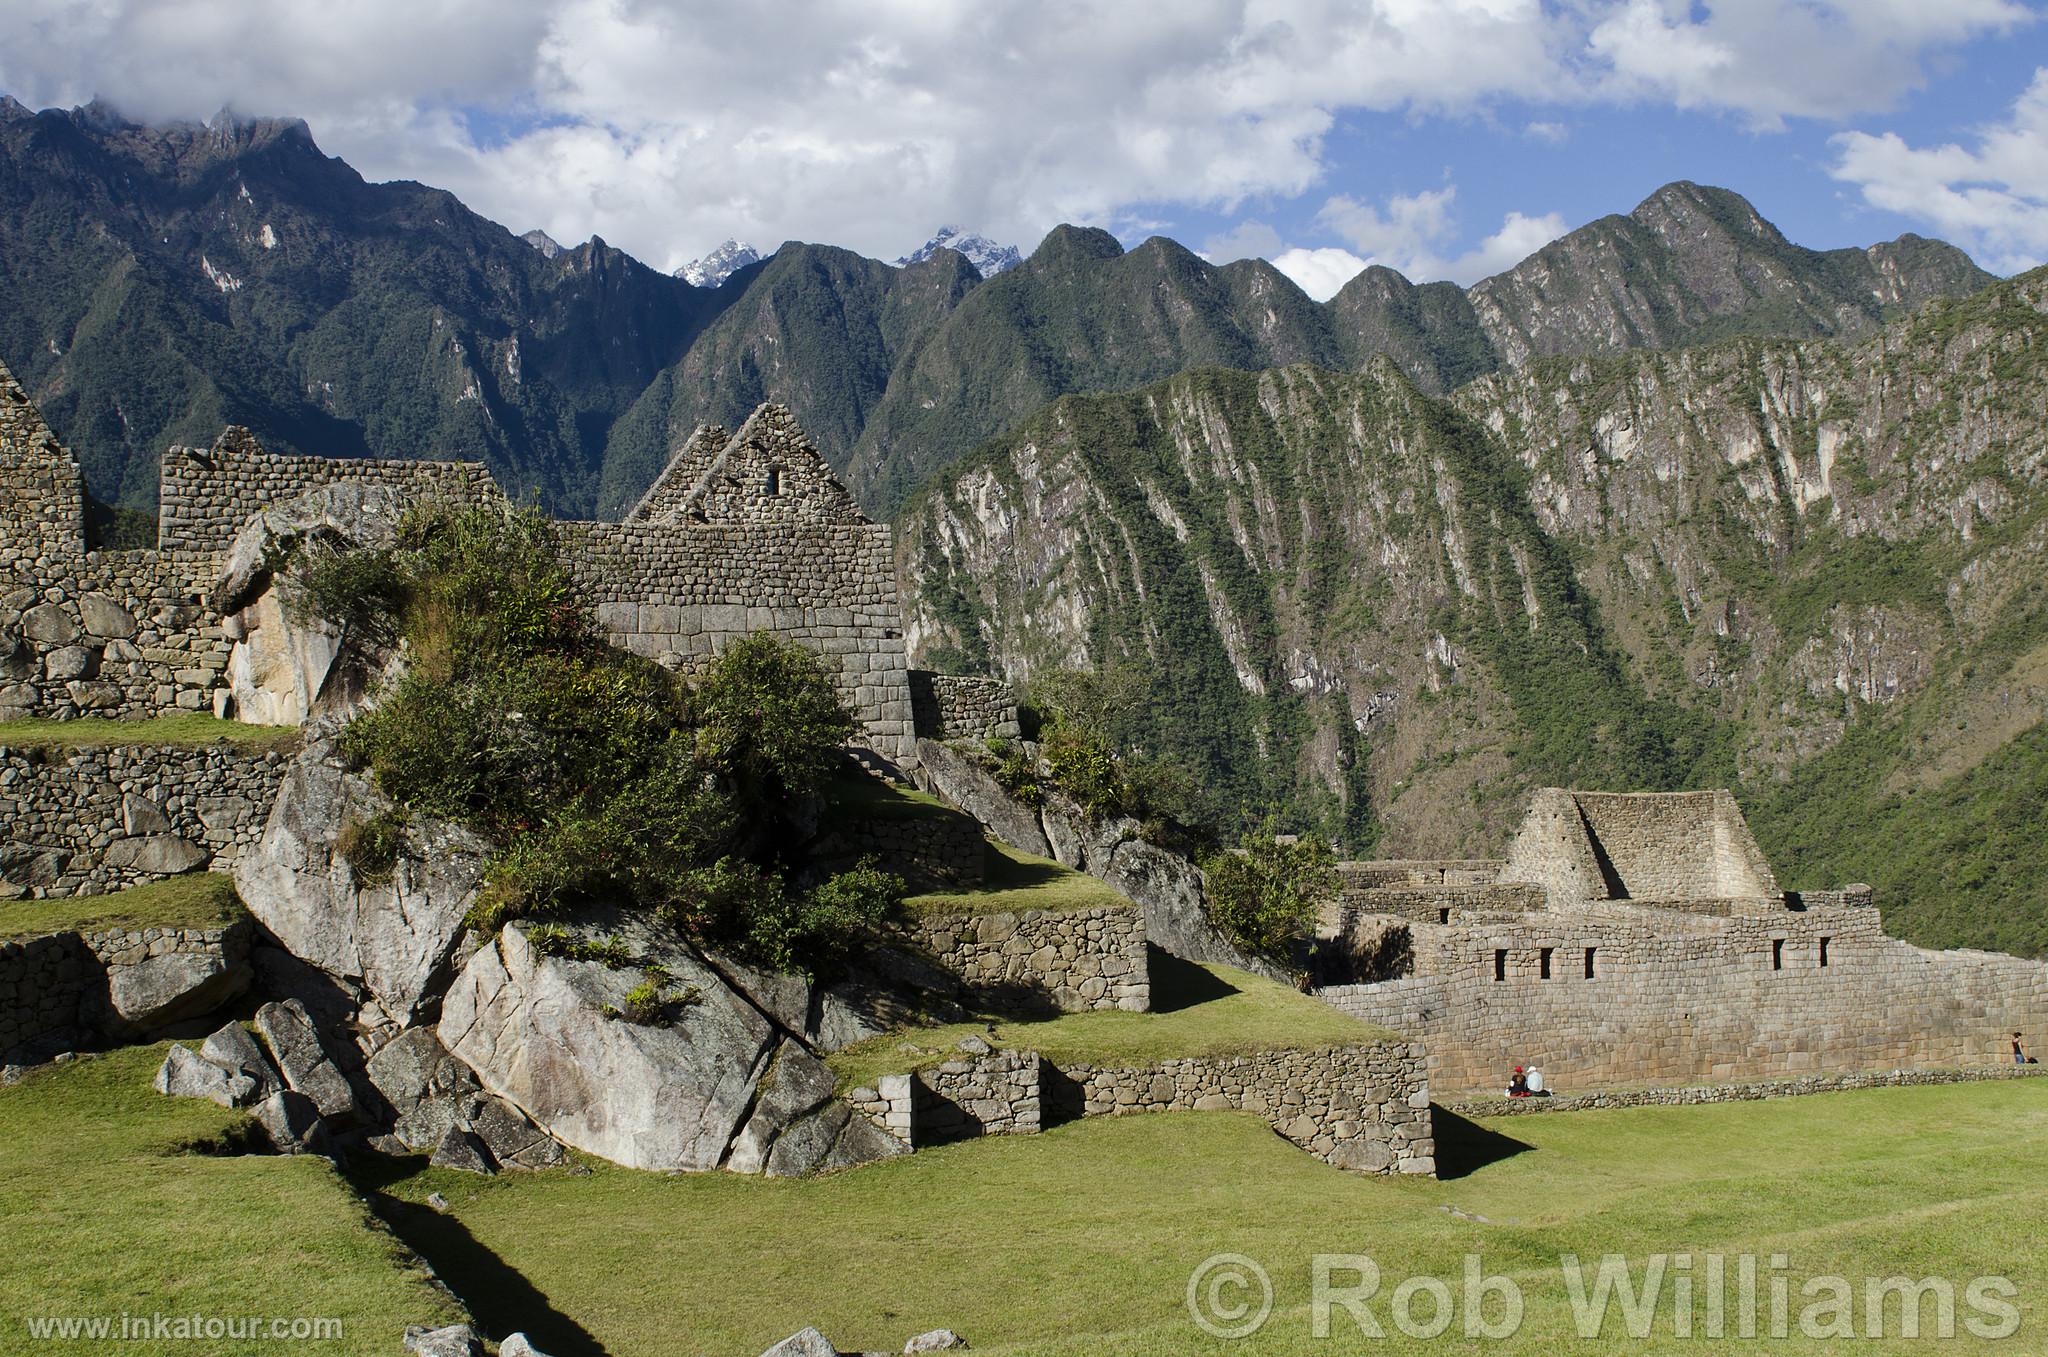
column 1812, row 569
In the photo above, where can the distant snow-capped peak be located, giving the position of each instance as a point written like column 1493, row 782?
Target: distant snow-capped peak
column 719, row 265
column 988, row 258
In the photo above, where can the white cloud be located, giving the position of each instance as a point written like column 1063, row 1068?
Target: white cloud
column 1321, row 273
column 1411, row 233
column 1246, row 240
column 669, row 124
column 1556, row 133
column 1992, row 200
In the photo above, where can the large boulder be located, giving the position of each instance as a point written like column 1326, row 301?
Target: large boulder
column 285, row 669
column 295, row 1043
column 394, row 938
column 965, row 782
column 430, row 1094
column 186, row 1074
column 155, row 980
column 718, row 1083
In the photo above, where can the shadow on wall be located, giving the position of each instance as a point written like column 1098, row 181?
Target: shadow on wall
column 1463, row 1146
column 502, row 1300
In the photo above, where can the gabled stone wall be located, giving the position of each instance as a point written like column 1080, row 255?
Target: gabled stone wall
column 1665, row 847
column 42, row 493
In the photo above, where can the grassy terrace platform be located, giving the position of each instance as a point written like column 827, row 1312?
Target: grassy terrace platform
column 1197, row 1011
column 203, row 900
column 109, row 1210
column 183, row 732
column 1016, row 881
column 1079, row 1242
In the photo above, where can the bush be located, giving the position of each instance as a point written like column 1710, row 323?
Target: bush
column 1266, row 894
column 373, row 847
column 600, row 776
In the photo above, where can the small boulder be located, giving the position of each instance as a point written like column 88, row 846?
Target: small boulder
column 140, row 815
column 292, row 1122
column 974, row 1045
column 938, row 1340
column 156, row 855
column 232, row 1048
column 518, row 1345
column 808, row 1343
column 105, row 618
column 460, row 1149
column 307, row 1068
column 49, row 624
column 456, row 1340
column 187, row 1075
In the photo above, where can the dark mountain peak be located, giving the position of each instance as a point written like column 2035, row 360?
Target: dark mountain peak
column 1075, row 244
column 1376, row 282
column 946, row 265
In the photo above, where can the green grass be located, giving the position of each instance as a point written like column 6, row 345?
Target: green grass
column 182, row 731
column 1080, row 1241
column 869, row 798
column 202, row 900
column 108, row 1214
column 1015, row 882
column 1200, row 1011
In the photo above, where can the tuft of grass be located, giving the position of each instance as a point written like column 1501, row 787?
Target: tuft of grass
column 1197, row 1011
column 109, row 1212
column 1016, row 881
column 202, row 900
column 183, row 732
column 1095, row 1228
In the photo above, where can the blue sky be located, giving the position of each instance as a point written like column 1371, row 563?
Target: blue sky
column 1446, row 138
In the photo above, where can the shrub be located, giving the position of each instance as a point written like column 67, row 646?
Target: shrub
column 1265, row 894
column 767, row 711
column 1016, row 771
column 373, row 847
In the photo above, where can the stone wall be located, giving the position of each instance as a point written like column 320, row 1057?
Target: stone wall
column 681, row 594
column 89, row 821
column 42, row 493
column 1662, row 847
column 947, row 707
column 1433, row 904
column 62, row 990
column 1364, row 1108
column 43, row 988
column 116, row 634
column 1397, row 872
column 1078, row 959
column 1676, row 997
column 1697, row 1094
column 206, row 495
column 930, row 852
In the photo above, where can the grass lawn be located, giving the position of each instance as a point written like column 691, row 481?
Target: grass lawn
column 1016, row 881
column 1080, row 1242
column 105, row 1214
column 870, row 798
column 201, row 900
column 183, row 731
column 1200, row 1010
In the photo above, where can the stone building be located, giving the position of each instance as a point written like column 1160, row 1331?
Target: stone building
column 1637, row 939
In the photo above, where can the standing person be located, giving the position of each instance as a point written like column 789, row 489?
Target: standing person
column 2019, row 1052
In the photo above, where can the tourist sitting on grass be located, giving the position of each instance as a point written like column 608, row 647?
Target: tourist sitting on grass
column 1518, row 1086
column 2019, row 1053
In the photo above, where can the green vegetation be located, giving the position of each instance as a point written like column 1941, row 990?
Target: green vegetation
column 602, row 777
column 1015, row 881
column 184, row 732
column 1197, row 1011
column 1094, row 1228
column 117, row 1202
column 1265, row 894
column 202, row 900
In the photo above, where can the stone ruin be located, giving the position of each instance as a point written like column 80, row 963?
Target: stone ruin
column 1642, row 938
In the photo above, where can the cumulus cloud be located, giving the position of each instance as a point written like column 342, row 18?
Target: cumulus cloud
column 1991, row 199
column 1321, row 272
column 1411, row 233
column 670, row 124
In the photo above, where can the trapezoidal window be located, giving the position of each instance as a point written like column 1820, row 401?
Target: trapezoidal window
column 1824, row 951
column 1589, row 961
column 1443, row 916
column 1543, row 961
column 1777, row 954
column 774, row 486
column 1500, row 965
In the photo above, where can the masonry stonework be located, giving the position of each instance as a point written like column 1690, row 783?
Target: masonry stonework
column 1077, row 959
column 946, row 707
column 89, row 821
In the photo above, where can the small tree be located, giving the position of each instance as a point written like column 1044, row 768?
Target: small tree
column 1266, row 893
column 767, row 710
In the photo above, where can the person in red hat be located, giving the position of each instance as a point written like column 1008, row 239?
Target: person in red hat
column 1518, row 1087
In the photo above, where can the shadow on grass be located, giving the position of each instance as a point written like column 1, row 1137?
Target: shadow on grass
column 1178, row 984
column 1464, row 1146
column 502, row 1300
